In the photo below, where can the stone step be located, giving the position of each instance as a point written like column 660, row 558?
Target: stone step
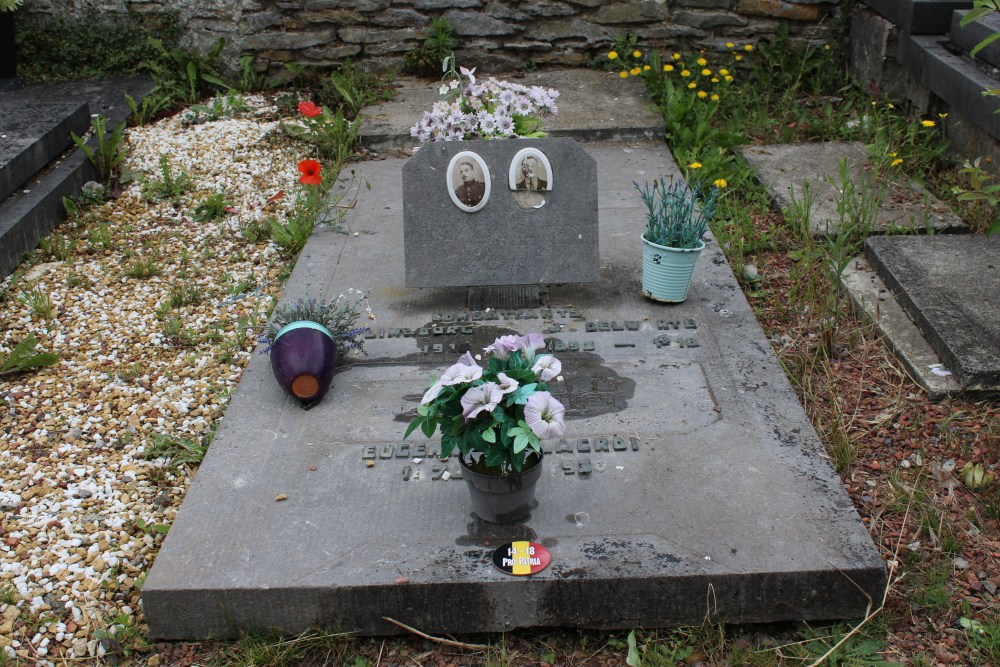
column 919, row 17
column 790, row 171
column 966, row 38
column 953, row 78
column 948, row 286
column 32, row 134
column 29, row 214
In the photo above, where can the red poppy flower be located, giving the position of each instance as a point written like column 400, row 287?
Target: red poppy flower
column 309, row 109
column 310, row 172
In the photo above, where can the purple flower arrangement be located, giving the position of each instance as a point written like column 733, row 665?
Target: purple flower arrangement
column 501, row 412
column 489, row 109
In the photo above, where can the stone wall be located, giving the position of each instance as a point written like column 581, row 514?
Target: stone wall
column 501, row 34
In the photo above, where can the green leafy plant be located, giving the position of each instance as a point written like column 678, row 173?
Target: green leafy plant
column 143, row 268
column 23, row 358
column 110, row 151
column 250, row 80
column 350, row 89
column 981, row 8
column 182, row 76
column 674, row 217
column 168, row 186
column 99, row 236
column 427, row 59
column 212, row 207
column 331, row 133
column 38, row 302
column 176, row 450
column 496, row 416
column 983, row 189
column 57, row 245
column 90, row 44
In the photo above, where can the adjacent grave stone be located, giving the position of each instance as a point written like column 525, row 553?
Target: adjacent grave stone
column 797, row 174
column 948, row 285
column 500, row 213
column 32, row 134
column 689, row 482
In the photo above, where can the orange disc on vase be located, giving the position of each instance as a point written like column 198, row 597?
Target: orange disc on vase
column 305, row 387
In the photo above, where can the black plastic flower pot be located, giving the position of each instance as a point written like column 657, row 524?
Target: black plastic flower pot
column 502, row 499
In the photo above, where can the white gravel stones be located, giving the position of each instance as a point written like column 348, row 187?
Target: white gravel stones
column 80, row 504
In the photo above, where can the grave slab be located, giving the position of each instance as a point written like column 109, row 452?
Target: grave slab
column 32, row 134
column 969, row 36
column 789, row 171
column 948, row 286
column 919, row 17
column 593, row 106
column 517, row 236
column 873, row 300
column 689, row 481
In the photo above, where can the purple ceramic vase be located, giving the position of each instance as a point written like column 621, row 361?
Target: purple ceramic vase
column 303, row 358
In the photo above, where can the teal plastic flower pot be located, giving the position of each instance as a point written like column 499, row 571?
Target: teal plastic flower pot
column 666, row 271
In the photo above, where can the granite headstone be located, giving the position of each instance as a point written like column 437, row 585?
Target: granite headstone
column 514, row 212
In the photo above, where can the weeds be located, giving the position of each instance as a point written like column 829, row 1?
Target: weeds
column 426, row 59
column 110, row 150
column 182, row 76
column 23, row 358
column 212, row 207
column 143, row 268
column 38, row 303
column 168, row 186
column 177, row 451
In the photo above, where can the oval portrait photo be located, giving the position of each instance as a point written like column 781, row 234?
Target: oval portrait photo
column 468, row 181
column 530, row 171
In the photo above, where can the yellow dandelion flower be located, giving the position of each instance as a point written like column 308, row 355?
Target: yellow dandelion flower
column 715, row 97
column 898, row 161
column 685, row 72
column 701, row 62
column 729, row 45
column 623, row 74
column 748, row 47
column 694, row 165
column 692, row 85
column 721, row 183
column 826, row 47
column 613, row 55
column 635, row 71
column 892, row 154
column 874, row 103
column 668, row 68
column 728, row 78
column 702, row 94
column 676, row 56
column 706, row 72
column 891, row 105
column 715, row 79
column 647, row 67
column 928, row 123
column 739, row 57
column 637, row 54
column 723, row 71
column 942, row 116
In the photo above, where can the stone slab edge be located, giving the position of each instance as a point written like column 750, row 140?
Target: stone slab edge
column 953, row 78
column 26, row 218
column 34, row 157
column 877, row 304
column 967, row 37
column 919, row 17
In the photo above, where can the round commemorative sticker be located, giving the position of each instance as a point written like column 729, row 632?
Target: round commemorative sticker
column 521, row 558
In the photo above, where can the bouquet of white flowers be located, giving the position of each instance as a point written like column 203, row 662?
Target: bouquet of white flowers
column 489, row 109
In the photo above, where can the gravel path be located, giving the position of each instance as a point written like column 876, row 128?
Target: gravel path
column 92, row 449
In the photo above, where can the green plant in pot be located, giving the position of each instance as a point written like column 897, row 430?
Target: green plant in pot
column 305, row 337
column 496, row 417
column 676, row 221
